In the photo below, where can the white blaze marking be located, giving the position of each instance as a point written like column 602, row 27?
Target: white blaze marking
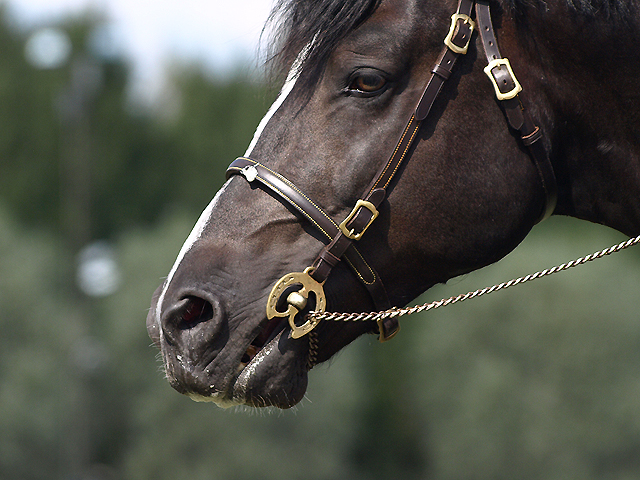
column 193, row 237
column 202, row 222
column 289, row 83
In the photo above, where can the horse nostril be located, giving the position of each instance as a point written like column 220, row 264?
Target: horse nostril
column 195, row 311
column 192, row 317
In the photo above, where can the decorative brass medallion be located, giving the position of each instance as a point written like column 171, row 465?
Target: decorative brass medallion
column 297, row 300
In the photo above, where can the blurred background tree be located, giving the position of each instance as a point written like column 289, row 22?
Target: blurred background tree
column 538, row 382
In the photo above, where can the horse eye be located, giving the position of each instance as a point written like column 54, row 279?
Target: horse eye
column 368, row 83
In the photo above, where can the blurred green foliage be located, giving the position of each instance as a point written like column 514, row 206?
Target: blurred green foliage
column 541, row 381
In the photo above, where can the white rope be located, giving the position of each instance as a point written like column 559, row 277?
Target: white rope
column 399, row 312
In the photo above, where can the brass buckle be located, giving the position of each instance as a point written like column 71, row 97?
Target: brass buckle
column 448, row 41
column 359, row 204
column 502, row 62
column 296, row 301
column 382, row 334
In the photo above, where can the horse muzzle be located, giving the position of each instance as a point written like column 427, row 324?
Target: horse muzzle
column 209, row 356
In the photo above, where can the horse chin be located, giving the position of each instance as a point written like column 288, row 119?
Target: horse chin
column 276, row 375
column 269, row 375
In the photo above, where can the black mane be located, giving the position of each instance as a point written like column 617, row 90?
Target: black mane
column 325, row 22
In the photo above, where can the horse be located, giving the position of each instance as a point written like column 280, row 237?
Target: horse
column 463, row 122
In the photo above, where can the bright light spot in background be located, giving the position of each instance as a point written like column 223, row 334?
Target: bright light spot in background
column 151, row 34
column 48, row 48
column 98, row 271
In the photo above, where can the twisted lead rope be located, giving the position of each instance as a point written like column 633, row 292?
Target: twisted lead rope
column 400, row 312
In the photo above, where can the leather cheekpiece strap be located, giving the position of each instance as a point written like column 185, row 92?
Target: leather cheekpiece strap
column 293, row 196
column 517, row 116
column 361, row 217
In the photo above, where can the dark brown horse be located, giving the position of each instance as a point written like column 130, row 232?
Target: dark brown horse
column 466, row 187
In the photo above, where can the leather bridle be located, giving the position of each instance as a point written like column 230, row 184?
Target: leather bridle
column 340, row 238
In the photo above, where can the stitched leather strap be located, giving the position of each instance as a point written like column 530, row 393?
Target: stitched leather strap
column 361, row 218
column 293, row 196
column 517, row 116
column 443, row 67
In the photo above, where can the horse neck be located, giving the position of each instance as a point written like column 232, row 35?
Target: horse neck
column 590, row 75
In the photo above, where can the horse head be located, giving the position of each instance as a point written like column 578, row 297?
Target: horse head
column 461, row 190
